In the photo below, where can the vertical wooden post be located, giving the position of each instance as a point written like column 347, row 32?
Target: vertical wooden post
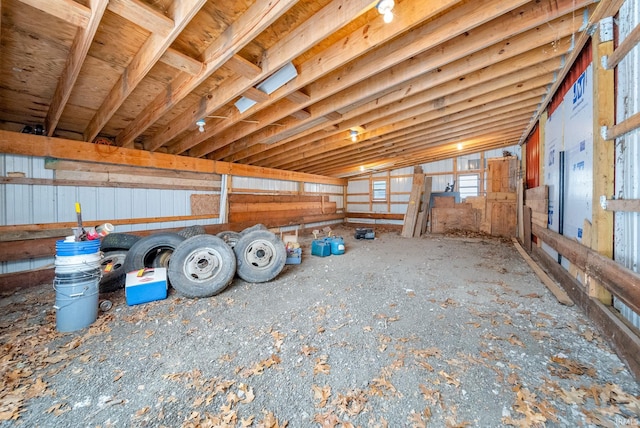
column 603, row 159
column 542, row 123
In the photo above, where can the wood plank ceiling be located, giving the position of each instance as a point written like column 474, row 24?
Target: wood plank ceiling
column 444, row 77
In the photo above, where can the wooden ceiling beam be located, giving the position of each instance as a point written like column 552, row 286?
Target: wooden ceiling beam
column 77, row 54
column 256, row 95
column 182, row 62
column 425, row 134
column 524, row 66
column 150, row 52
column 468, row 40
column 457, row 102
column 301, row 114
column 470, row 70
column 243, row 67
column 298, row 97
column 456, row 131
column 406, row 118
column 143, row 15
column 257, row 18
column 331, row 18
column 66, row 10
column 433, row 154
column 424, row 154
column 468, row 118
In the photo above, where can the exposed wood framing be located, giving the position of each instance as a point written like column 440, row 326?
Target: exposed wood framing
column 625, row 342
column 626, row 205
column 259, row 16
column 34, row 145
column 67, row 10
column 614, row 58
column 356, row 83
column 614, row 131
column 152, row 50
column 617, row 279
column 177, row 59
column 77, row 54
column 603, row 160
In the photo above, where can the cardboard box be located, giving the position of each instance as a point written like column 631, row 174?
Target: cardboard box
column 145, row 285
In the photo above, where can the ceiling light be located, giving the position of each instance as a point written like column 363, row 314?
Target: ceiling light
column 385, row 8
column 459, row 146
column 200, row 124
column 354, row 135
column 269, row 85
column 362, row 168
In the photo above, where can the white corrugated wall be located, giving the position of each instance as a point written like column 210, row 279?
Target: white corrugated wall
column 29, row 204
column 627, row 224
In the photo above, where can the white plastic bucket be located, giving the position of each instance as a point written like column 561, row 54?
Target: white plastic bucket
column 76, row 282
column 76, row 299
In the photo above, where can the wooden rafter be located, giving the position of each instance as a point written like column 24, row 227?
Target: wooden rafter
column 150, row 52
column 67, row 10
column 259, row 16
column 77, row 54
column 439, row 32
column 331, row 18
column 522, row 67
column 143, row 15
column 340, row 53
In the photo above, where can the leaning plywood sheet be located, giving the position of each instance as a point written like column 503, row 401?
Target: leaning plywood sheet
column 503, row 219
column 463, row 217
column 502, row 174
column 205, row 204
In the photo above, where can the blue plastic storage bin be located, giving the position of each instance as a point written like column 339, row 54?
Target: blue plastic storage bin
column 320, row 247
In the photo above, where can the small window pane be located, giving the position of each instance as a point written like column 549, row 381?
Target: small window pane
column 468, row 185
column 379, row 190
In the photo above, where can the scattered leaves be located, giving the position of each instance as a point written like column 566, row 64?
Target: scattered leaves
column 321, row 394
column 321, row 366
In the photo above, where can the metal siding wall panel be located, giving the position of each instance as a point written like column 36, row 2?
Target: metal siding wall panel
column 358, row 186
column 445, row 165
column 401, row 184
column 627, row 224
column 402, row 171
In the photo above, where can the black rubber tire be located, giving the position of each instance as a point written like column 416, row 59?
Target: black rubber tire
column 258, row 226
column 118, row 241
column 260, row 256
column 115, row 278
column 202, row 266
column 230, row 237
column 143, row 253
column 190, row 231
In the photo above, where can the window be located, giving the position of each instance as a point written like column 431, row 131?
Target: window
column 468, row 185
column 379, row 190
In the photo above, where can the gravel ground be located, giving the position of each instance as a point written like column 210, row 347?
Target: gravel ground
column 437, row 331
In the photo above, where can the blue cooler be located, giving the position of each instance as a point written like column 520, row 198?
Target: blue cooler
column 145, row 285
column 321, row 247
column 337, row 245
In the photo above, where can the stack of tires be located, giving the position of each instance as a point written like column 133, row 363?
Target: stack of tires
column 198, row 265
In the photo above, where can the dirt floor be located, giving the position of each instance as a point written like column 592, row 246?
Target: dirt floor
column 438, row 331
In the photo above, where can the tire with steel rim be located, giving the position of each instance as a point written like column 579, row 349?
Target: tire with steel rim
column 113, row 273
column 143, row 254
column 202, row 266
column 260, row 256
column 230, row 237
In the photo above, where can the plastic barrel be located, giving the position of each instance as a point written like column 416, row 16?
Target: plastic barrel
column 76, row 283
column 337, row 245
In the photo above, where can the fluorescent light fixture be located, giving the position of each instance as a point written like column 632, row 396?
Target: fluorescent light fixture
column 269, row 85
column 278, row 79
column 244, row 104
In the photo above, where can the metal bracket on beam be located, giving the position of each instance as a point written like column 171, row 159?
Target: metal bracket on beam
column 604, row 132
column 606, row 29
column 603, row 202
column 604, row 62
